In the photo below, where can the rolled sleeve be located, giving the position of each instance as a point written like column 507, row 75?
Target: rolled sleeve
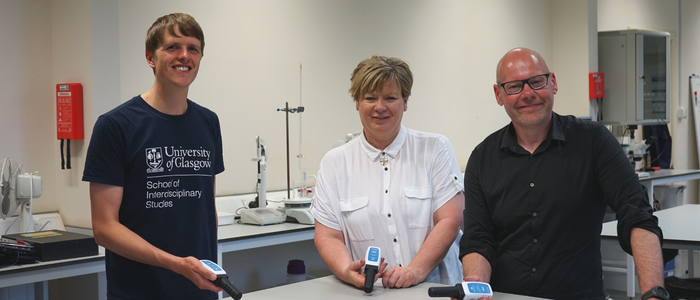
column 622, row 189
column 636, row 216
column 478, row 228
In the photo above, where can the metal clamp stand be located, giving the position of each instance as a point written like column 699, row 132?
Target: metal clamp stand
column 287, row 110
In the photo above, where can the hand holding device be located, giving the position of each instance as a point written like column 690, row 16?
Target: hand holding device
column 371, row 267
column 468, row 290
column 222, row 280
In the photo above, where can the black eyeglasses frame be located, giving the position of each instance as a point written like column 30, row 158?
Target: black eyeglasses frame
column 526, row 81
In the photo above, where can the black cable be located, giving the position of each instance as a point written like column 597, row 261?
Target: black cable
column 14, row 263
column 63, row 161
column 659, row 155
column 68, row 153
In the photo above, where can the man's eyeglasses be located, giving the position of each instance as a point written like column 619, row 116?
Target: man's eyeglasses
column 516, row 86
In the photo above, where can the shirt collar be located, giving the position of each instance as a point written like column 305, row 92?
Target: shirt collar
column 392, row 150
column 556, row 132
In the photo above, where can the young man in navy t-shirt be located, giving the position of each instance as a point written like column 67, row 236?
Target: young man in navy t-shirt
column 151, row 165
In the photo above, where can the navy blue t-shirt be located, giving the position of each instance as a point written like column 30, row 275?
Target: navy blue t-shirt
column 166, row 165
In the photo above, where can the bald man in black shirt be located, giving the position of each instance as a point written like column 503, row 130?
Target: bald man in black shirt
column 536, row 192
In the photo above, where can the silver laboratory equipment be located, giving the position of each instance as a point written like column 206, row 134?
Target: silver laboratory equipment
column 297, row 207
column 261, row 215
column 261, row 185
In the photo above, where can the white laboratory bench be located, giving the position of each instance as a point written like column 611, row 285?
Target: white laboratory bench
column 679, row 225
column 666, row 176
column 330, row 287
column 231, row 238
column 44, row 271
column 236, row 237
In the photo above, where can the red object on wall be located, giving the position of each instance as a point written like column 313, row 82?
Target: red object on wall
column 69, row 111
column 596, row 85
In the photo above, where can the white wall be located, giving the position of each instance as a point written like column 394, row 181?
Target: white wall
column 254, row 49
column 26, row 106
column 571, row 61
column 70, row 23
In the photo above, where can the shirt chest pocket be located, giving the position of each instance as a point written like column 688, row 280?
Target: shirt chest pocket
column 418, row 208
column 355, row 213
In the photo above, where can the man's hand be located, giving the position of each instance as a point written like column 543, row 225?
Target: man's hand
column 193, row 269
column 398, row 277
column 353, row 274
column 476, row 279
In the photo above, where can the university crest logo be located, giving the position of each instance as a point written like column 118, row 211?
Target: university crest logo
column 154, row 160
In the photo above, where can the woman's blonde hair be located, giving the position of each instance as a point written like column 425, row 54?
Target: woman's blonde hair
column 371, row 74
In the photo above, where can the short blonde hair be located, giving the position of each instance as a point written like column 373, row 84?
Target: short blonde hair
column 371, row 74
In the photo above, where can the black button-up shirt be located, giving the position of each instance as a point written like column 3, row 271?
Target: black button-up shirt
column 537, row 217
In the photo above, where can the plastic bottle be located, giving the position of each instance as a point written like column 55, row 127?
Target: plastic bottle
column 296, row 272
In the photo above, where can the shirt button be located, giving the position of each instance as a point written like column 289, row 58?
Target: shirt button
column 389, row 215
column 383, row 153
column 394, row 240
column 400, row 265
column 534, row 241
column 386, row 191
column 534, row 214
column 534, row 270
column 455, row 177
column 532, row 184
column 386, row 169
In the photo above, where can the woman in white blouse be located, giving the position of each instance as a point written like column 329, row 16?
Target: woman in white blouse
column 393, row 187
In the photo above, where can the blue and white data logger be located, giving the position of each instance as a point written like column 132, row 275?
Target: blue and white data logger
column 372, row 260
column 468, row 290
column 222, row 280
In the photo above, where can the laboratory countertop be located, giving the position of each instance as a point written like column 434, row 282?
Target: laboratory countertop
column 679, row 224
column 671, row 173
column 239, row 231
column 230, row 237
column 330, row 287
column 49, row 270
column 39, row 265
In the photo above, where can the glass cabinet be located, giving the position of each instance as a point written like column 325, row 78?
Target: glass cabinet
column 636, row 68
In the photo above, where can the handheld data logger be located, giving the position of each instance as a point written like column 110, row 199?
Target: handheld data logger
column 468, row 290
column 371, row 267
column 222, row 280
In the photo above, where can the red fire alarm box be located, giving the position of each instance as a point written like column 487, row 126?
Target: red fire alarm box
column 596, row 85
column 69, row 111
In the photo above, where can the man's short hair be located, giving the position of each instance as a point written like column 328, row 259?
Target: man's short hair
column 371, row 74
column 186, row 24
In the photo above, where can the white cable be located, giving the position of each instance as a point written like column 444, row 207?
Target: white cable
column 31, row 197
column 42, row 227
column 13, row 223
column 3, row 169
